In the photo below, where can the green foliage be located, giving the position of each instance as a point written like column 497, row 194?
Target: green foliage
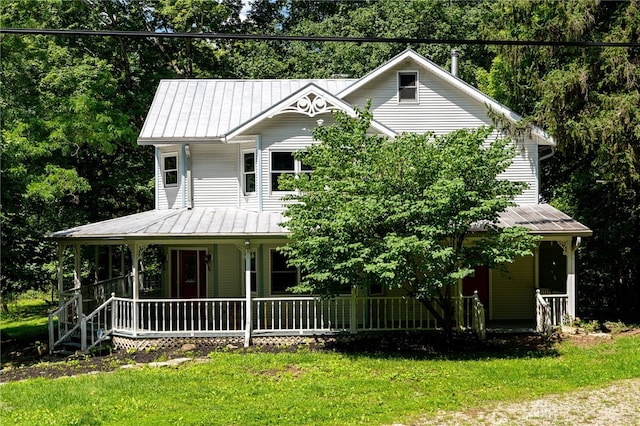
column 589, row 99
column 402, row 213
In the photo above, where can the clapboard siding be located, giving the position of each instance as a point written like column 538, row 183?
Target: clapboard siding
column 172, row 197
column 441, row 109
column 286, row 132
column 512, row 293
column 215, row 175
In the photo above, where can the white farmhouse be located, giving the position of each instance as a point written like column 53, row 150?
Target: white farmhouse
column 219, row 147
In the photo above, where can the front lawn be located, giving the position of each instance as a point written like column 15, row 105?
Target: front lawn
column 307, row 387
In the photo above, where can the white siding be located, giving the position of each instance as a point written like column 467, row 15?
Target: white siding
column 215, row 175
column 287, row 132
column 171, row 197
column 512, row 293
column 441, row 109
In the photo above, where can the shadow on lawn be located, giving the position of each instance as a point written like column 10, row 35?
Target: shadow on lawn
column 434, row 345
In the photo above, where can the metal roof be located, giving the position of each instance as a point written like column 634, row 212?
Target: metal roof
column 231, row 222
column 209, row 109
column 181, row 223
column 543, row 219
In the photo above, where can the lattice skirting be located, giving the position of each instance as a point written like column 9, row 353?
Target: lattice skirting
column 127, row 343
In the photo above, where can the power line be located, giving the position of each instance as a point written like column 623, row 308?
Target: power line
column 226, row 36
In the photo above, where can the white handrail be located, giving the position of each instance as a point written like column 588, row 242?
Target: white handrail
column 100, row 325
column 75, row 298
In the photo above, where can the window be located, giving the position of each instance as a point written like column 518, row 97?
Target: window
column 283, row 276
column 281, row 163
column 249, row 172
column 284, row 163
column 170, row 170
column 407, row 87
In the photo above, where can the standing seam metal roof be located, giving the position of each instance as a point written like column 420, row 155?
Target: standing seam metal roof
column 211, row 108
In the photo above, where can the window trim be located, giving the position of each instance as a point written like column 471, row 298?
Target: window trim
column 297, row 169
column 245, row 173
column 164, row 170
column 416, row 98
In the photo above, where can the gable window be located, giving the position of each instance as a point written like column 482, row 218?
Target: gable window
column 170, row 170
column 408, row 86
column 283, row 276
column 282, row 162
column 249, row 172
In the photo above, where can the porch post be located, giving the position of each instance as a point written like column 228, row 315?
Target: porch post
column 353, row 314
column 571, row 280
column 76, row 267
column 135, row 253
column 61, row 248
column 247, row 284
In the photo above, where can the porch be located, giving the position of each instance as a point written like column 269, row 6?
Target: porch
column 152, row 318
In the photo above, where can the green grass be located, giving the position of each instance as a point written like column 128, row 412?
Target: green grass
column 27, row 317
column 311, row 388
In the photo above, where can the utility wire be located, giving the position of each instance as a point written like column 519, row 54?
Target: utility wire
column 225, row 36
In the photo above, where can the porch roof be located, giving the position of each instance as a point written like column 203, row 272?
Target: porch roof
column 182, row 223
column 543, row 219
column 231, row 222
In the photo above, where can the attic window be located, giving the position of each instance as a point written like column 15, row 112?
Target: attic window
column 408, row 86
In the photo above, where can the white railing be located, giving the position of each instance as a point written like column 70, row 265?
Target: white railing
column 179, row 317
column 269, row 316
column 393, row 313
column 551, row 311
column 477, row 316
column 97, row 326
column 301, row 314
column 67, row 324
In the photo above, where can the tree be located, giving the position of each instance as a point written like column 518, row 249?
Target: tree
column 589, row 100
column 400, row 213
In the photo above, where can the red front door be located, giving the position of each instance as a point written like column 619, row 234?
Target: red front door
column 480, row 282
column 189, row 274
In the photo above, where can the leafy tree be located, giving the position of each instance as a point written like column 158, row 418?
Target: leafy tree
column 589, row 99
column 402, row 213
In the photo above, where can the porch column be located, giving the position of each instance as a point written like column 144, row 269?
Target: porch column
column 247, row 284
column 77, row 265
column 571, row 278
column 61, row 248
column 135, row 255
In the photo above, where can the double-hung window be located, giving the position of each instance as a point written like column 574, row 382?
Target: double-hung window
column 249, row 172
column 283, row 162
column 170, row 170
column 283, row 276
column 408, row 86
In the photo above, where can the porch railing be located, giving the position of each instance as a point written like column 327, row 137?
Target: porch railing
column 551, row 311
column 179, row 317
column 67, row 321
column 269, row 316
column 474, row 315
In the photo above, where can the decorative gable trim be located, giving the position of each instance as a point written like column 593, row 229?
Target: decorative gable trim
column 310, row 100
column 311, row 104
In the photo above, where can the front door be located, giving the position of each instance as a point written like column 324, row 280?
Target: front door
column 189, row 274
column 478, row 281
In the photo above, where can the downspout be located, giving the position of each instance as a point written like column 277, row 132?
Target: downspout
column 259, row 170
column 189, row 186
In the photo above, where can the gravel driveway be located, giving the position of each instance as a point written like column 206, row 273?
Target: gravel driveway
column 617, row 404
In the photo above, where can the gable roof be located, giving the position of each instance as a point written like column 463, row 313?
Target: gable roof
column 218, row 110
column 543, row 137
column 310, row 100
column 208, row 110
